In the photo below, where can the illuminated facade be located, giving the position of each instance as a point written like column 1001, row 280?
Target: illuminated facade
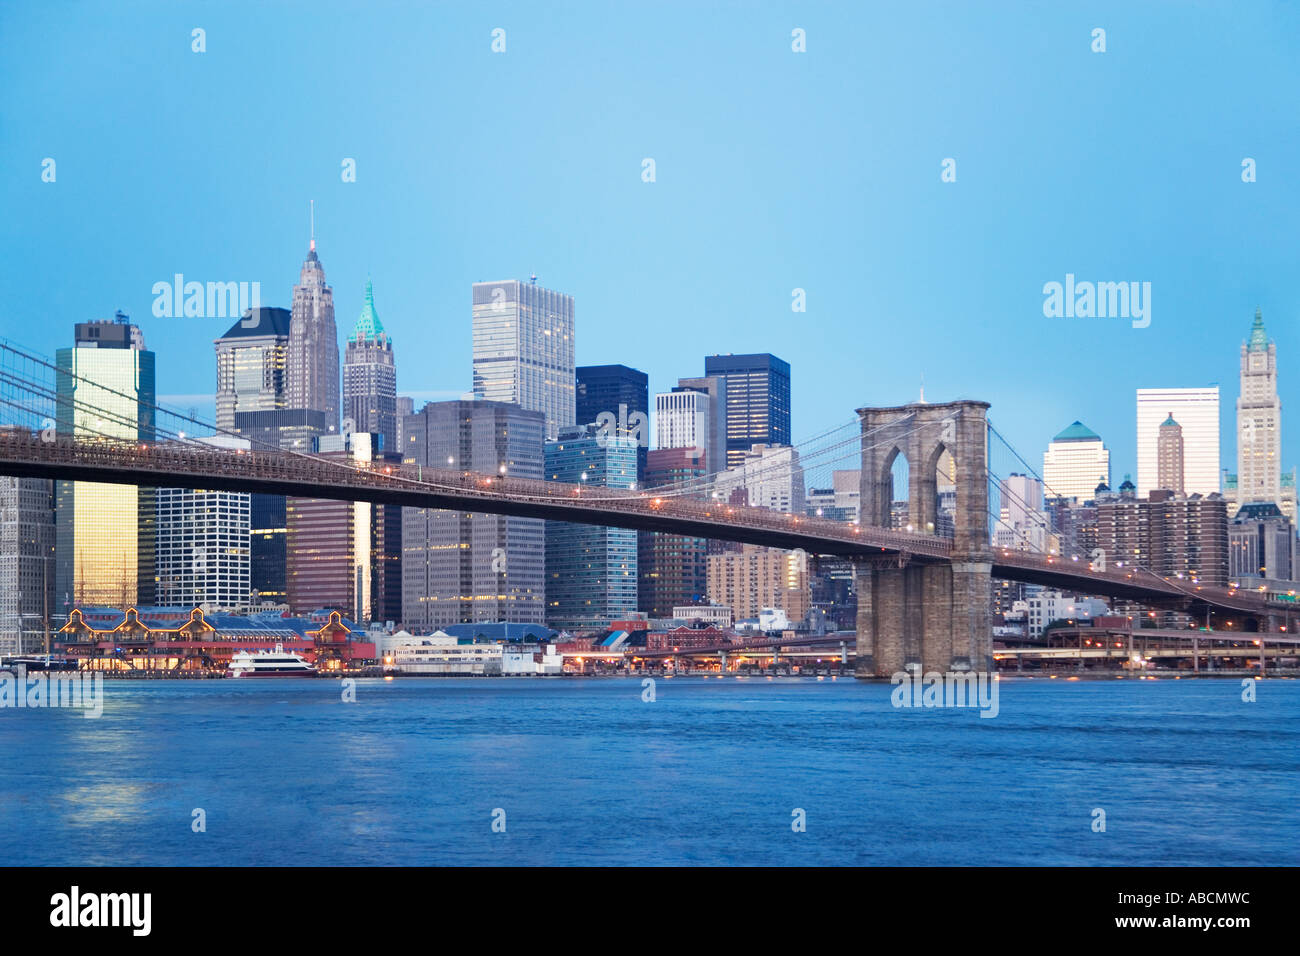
column 755, row 579
column 202, row 544
column 345, row 555
column 26, row 562
column 105, row 533
column 459, row 567
column 758, row 401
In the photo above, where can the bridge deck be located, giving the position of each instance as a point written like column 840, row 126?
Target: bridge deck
column 184, row 465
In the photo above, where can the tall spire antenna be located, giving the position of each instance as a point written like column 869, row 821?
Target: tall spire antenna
column 313, row 225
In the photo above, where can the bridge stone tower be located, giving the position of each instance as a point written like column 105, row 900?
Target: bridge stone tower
column 937, row 615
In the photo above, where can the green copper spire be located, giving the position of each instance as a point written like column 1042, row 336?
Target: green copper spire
column 1258, row 337
column 368, row 324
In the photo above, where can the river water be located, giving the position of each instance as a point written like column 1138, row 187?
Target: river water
column 501, row 771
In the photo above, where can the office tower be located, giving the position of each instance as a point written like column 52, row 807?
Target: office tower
column 458, row 567
column 682, row 420
column 716, row 388
column 104, row 538
column 1169, row 456
column 252, row 365
column 1259, row 421
column 343, row 555
column 268, row 555
column 619, row 397
column 1261, row 544
column 755, row 579
column 313, row 344
column 370, row 378
column 767, row 476
column 524, row 349
column 26, row 562
column 1075, row 463
column 202, row 549
column 288, row 429
column 758, row 401
column 1197, row 411
column 591, row 570
column 672, row 566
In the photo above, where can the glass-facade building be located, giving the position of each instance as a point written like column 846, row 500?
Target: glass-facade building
column 464, row 568
column 524, row 349
column 672, row 566
column 105, row 533
column 591, row 570
column 252, row 362
column 758, row 400
column 622, row 392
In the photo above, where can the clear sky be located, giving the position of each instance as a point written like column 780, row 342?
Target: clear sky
column 775, row 170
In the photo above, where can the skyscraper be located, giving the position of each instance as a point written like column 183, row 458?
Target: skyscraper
column 345, row 555
column 313, row 344
column 370, row 377
column 1075, row 463
column 105, row 533
column 252, row 365
column 26, row 562
column 459, row 567
column 672, row 566
column 202, row 549
column 1197, row 411
column 1169, row 456
column 620, row 393
column 683, row 419
column 591, row 570
column 1259, row 420
column 758, row 400
column 716, row 388
column 524, row 349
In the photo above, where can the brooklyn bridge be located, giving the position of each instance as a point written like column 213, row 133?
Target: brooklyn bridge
column 923, row 597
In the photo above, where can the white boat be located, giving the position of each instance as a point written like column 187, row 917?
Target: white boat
column 276, row 663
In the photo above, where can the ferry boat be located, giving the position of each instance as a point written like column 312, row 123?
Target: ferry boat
column 276, row 663
column 36, row 663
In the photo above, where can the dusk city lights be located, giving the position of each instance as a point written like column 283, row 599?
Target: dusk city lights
column 825, row 435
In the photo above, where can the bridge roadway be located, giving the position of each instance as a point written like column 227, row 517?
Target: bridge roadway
column 184, row 465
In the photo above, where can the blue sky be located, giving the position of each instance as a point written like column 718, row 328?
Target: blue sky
column 775, row 170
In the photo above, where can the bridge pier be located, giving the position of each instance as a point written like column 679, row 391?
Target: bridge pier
column 934, row 615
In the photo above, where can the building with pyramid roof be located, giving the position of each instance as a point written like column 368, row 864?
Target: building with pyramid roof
column 370, row 377
column 1075, row 463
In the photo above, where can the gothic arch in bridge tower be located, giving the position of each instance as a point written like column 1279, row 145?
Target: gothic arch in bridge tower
column 924, row 612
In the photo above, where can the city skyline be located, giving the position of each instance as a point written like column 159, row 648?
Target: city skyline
column 783, row 207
